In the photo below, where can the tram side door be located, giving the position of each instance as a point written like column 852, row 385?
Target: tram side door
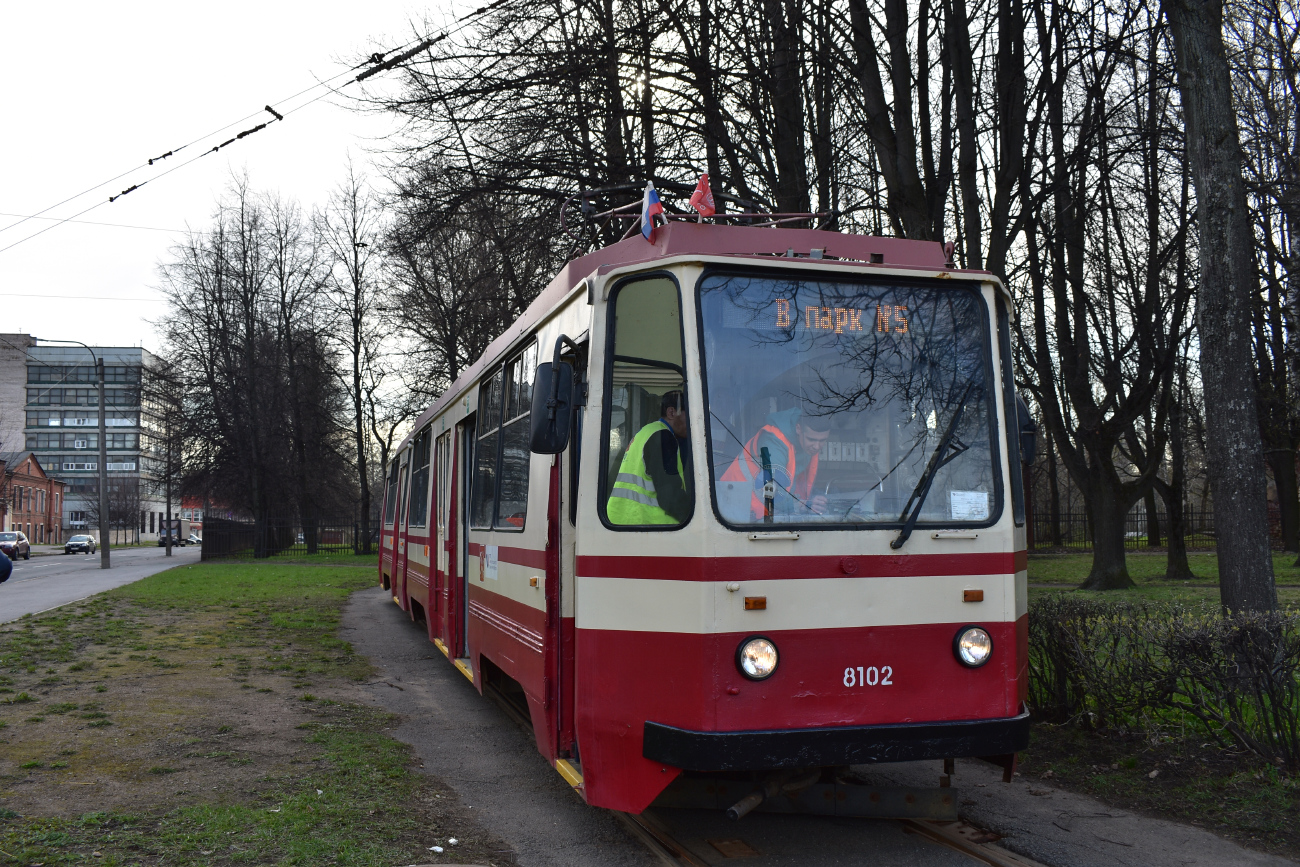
column 562, row 600
column 392, row 553
column 458, row 603
column 399, row 533
column 440, row 565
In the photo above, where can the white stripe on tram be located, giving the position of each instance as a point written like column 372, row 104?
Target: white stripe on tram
column 702, row 607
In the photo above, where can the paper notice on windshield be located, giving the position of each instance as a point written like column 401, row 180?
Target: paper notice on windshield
column 969, row 505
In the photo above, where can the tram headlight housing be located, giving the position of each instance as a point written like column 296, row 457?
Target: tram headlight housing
column 972, row 645
column 756, row 657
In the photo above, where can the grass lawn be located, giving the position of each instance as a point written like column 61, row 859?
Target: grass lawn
column 1146, row 568
column 210, row 714
column 1148, row 571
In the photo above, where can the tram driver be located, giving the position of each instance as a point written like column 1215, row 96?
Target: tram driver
column 792, row 439
column 654, row 479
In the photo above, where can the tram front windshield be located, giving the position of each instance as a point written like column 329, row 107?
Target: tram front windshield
column 832, row 402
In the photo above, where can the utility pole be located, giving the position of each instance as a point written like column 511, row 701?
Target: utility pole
column 103, row 462
column 167, row 475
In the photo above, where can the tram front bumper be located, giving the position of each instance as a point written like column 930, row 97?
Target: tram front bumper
column 828, row 747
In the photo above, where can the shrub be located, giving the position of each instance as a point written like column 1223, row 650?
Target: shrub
column 1149, row 667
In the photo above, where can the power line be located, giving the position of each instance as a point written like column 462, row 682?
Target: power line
column 159, row 159
column 377, row 62
column 92, row 223
column 74, row 297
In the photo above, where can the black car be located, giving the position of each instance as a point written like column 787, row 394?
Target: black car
column 15, row 545
column 80, row 544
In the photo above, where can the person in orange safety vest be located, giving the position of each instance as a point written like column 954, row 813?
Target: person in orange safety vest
column 793, row 439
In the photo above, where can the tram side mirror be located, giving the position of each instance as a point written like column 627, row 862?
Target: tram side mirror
column 1028, row 431
column 552, row 413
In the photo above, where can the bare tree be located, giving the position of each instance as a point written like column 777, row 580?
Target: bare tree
column 352, row 230
column 264, row 420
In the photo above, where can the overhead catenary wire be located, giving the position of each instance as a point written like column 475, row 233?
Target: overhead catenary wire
column 148, row 163
column 378, row 64
column 92, row 223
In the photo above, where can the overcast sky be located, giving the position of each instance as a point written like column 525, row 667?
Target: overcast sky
column 96, row 89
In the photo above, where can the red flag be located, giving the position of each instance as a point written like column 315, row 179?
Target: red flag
column 702, row 198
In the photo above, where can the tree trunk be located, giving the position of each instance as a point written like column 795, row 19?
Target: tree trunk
column 1054, row 494
column 784, row 18
column 1228, row 283
column 1153, row 520
column 1107, row 512
column 1282, row 462
column 1176, row 567
column 963, row 65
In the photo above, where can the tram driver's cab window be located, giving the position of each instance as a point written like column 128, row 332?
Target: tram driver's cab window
column 845, row 402
column 648, row 478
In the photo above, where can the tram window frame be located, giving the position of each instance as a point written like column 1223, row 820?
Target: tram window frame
column 500, row 399
column 991, row 377
column 390, row 501
column 1015, row 468
column 579, row 359
column 607, row 403
column 441, row 475
column 418, row 496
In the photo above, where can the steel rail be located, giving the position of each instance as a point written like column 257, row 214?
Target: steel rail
column 947, row 834
column 652, row 833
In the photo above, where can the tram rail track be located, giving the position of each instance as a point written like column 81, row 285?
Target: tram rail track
column 648, row 829
column 960, row 836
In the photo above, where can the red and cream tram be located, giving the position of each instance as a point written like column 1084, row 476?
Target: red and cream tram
column 822, row 564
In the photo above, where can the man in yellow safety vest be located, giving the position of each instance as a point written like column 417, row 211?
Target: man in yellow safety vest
column 654, row 481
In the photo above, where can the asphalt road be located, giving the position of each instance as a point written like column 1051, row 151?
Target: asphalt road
column 46, row 582
column 495, row 768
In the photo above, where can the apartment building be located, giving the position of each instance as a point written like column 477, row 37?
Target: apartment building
column 61, row 414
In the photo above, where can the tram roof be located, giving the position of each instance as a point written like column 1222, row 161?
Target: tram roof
column 680, row 238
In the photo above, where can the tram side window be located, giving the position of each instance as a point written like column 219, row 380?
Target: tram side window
column 419, row 497
column 485, row 471
column 512, row 506
column 501, row 471
column 648, row 482
column 442, row 471
column 390, row 501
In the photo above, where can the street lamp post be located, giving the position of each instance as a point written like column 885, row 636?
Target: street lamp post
column 103, row 452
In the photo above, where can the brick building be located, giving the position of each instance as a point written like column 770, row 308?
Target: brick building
column 33, row 502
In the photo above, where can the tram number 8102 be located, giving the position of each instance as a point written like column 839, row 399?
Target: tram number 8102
column 869, row 676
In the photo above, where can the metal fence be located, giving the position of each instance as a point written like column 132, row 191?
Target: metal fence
column 1074, row 534
column 286, row 537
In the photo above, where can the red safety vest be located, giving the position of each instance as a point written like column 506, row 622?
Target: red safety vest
column 745, row 467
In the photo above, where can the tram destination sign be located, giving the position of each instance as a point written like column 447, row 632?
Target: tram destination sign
column 886, row 318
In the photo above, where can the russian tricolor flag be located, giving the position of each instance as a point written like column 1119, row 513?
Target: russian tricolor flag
column 651, row 207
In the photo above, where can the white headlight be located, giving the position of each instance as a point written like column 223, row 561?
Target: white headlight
column 756, row 658
column 973, row 646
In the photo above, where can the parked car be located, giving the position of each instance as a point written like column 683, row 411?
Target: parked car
column 15, row 545
column 195, row 540
column 80, row 544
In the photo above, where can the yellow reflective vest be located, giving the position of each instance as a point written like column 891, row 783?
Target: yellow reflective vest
column 634, row 500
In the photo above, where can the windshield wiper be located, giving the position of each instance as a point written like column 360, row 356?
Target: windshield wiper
column 938, row 460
